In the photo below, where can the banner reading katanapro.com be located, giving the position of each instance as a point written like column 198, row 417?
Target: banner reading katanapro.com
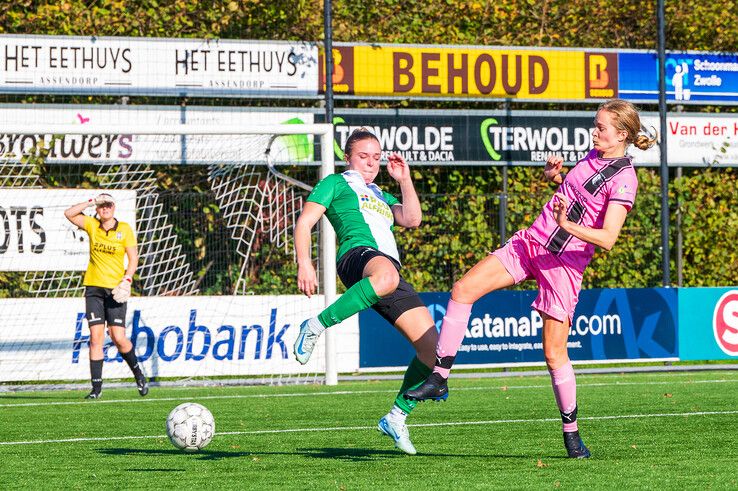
column 609, row 324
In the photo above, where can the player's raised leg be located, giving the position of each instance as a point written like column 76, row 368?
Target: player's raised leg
column 563, row 381
column 357, row 298
column 380, row 279
column 487, row 275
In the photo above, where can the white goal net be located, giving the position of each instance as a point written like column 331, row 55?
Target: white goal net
column 213, row 207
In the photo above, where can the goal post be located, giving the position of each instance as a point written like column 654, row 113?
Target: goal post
column 328, row 255
column 183, row 144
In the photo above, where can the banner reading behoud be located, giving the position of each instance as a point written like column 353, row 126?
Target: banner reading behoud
column 466, row 72
column 157, row 66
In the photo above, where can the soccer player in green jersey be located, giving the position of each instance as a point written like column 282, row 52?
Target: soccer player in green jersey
column 363, row 217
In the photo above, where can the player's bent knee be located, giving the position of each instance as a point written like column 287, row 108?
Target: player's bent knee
column 386, row 283
column 461, row 292
column 555, row 358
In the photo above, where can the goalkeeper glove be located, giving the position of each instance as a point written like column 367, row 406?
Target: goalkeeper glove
column 100, row 200
column 122, row 292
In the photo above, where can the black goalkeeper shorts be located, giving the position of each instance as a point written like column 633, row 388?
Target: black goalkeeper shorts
column 350, row 269
column 101, row 308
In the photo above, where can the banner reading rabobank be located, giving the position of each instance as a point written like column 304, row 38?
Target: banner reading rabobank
column 48, row 338
column 609, row 324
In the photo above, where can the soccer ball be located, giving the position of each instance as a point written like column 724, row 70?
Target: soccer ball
column 190, row 426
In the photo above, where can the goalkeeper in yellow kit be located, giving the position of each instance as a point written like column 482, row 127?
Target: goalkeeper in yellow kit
column 107, row 285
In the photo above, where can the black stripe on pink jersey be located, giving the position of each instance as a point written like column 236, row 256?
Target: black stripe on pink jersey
column 595, row 183
column 626, row 201
column 559, row 239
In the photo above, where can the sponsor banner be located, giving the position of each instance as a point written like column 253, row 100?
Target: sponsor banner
column 173, row 337
column 155, row 149
column 525, row 137
column 446, row 137
column 609, row 324
column 157, row 66
column 36, row 236
column 708, row 320
column 706, row 139
column 705, row 78
column 468, row 71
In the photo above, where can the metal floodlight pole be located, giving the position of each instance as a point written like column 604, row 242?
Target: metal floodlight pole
column 328, row 48
column 327, row 235
column 666, row 280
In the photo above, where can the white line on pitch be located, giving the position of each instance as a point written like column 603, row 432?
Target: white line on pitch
column 348, row 392
column 357, row 428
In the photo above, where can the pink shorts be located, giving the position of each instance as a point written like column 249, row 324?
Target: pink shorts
column 558, row 283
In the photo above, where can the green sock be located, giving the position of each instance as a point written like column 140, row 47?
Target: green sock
column 356, row 299
column 415, row 375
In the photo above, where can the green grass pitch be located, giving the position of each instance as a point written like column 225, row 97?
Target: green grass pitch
column 645, row 431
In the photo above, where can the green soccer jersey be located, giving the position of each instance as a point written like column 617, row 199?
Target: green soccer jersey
column 360, row 213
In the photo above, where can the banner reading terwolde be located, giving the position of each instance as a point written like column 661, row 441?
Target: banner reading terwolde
column 523, row 137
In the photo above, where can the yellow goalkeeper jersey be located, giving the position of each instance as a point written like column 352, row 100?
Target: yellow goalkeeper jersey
column 107, row 250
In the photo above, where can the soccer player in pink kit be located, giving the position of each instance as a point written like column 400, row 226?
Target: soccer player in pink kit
column 588, row 210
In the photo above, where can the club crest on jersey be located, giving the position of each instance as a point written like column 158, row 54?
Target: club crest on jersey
column 119, row 235
column 597, row 180
column 623, row 189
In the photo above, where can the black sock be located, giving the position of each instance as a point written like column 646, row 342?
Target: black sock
column 569, row 417
column 132, row 361
column 96, row 375
column 446, row 362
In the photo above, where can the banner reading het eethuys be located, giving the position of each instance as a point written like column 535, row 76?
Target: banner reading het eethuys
column 495, row 72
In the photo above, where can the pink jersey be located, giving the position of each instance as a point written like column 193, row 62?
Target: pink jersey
column 590, row 185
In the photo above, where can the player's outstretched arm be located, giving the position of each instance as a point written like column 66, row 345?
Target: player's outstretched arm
column 307, row 280
column 604, row 237
column 409, row 213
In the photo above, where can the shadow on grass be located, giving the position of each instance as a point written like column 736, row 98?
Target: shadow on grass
column 347, row 454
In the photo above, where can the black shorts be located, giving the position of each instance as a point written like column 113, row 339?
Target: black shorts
column 100, row 307
column 351, row 270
